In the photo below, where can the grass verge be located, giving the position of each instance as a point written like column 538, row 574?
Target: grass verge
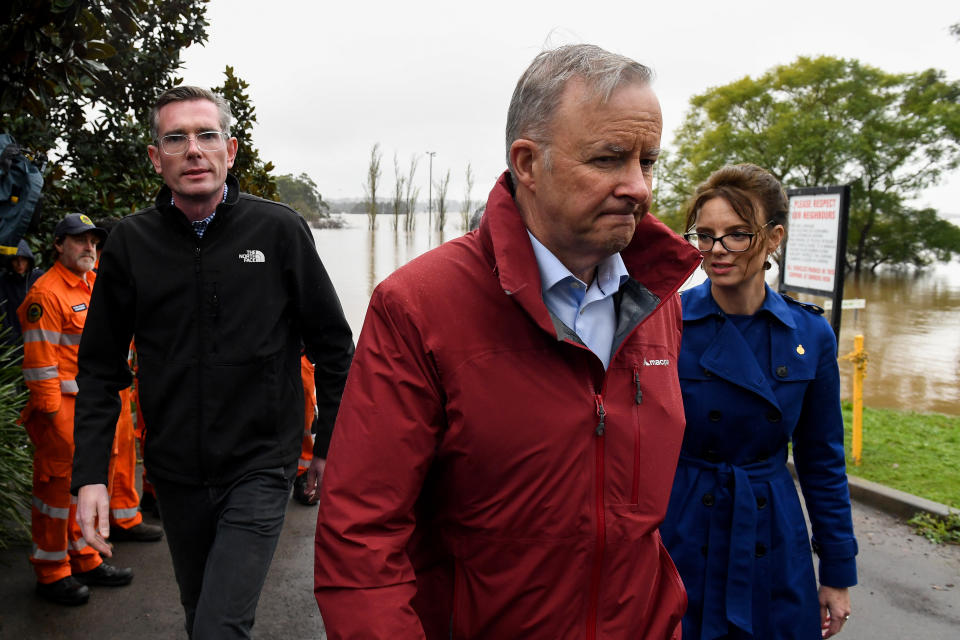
column 914, row 452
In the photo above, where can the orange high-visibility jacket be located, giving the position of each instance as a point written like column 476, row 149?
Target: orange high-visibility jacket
column 52, row 317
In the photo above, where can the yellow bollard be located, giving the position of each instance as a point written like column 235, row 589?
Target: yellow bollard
column 859, row 358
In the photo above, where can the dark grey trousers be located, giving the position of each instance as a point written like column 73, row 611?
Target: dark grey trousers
column 222, row 540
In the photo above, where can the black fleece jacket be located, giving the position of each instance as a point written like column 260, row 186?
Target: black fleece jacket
column 219, row 322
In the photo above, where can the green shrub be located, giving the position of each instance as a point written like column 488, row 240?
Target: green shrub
column 16, row 460
column 936, row 528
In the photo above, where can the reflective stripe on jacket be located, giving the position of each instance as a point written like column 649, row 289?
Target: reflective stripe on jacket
column 52, row 317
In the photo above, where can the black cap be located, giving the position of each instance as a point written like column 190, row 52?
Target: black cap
column 74, row 224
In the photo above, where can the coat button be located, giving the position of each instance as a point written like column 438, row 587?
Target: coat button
column 760, row 550
column 707, row 500
column 710, row 455
column 782, row 371
column 761, row 502
column 707, row 373
column 773, row 415
column 714, row 416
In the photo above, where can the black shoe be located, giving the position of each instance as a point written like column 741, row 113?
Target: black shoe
column 66, row 591
column 106, row 575
column 300, row 491
column 142, row 532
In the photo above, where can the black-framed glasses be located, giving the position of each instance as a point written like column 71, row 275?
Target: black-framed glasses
column 176, row 144
column 735, row 242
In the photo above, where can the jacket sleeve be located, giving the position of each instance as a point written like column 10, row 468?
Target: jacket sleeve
column 102, row 363
column 821, row 468
column 326, row 335
column 41, row 353
column 387, row 432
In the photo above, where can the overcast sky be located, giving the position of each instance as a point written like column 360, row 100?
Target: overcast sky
column 330, row 79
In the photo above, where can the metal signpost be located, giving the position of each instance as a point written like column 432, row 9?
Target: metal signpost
column 813, row 258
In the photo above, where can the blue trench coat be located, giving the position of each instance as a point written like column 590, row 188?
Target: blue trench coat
column 734, row 525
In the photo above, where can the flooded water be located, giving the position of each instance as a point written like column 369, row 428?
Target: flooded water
column 911, row 323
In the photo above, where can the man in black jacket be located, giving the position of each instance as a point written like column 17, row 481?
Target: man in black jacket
column 221, row 289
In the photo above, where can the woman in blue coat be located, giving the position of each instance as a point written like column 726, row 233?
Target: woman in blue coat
column 758, row 370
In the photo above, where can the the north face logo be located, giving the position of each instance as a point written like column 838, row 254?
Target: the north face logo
column 252, row 255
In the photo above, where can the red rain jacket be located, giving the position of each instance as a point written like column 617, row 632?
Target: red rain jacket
column 486, row 476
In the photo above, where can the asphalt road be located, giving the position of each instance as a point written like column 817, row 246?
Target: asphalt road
column 909, row 589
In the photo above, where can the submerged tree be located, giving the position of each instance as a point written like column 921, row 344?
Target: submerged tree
column 441, row 187
column 398, row 183
column 827, row 121
column 372, row 183
column 412, row 193
column 301, row 193
column 467, row 202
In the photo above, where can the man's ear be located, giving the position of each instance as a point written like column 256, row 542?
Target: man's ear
column 232, row 146
column 154, row 154
column 524, row 157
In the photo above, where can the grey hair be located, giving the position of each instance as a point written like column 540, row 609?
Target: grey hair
column 538, row 92
column 187, row 92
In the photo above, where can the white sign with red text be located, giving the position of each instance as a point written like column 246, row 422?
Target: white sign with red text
column 813, row 235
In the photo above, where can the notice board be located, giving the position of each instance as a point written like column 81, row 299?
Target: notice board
column 813, row 257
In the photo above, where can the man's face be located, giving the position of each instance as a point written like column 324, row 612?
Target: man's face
column 196, row 174
column 78, row 253
column 586, row 204
column 19, row 264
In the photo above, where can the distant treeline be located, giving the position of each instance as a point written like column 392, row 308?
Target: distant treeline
column 359, row 205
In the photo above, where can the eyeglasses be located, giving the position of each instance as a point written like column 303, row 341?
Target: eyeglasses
column 735, row 242
column 176, row 144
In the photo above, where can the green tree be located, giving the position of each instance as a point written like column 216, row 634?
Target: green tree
column 76, row 82
column 822, row 121
column 251, row 172
column 301, row 193
column 79, row 81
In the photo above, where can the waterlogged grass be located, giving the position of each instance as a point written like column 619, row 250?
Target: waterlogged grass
column 914, row 452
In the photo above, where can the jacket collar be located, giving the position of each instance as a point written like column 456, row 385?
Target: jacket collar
column 656, row 257
column 164, row 196
column 71, row 279
column 698, row 303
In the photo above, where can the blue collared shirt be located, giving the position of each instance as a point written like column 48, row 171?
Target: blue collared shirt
column 587, row 309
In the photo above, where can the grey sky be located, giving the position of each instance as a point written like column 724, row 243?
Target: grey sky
column 328, row 80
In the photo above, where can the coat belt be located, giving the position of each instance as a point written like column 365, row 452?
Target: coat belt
column 736, row 606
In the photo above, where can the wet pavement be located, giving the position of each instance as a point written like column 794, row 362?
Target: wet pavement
column 909, row 588
column 150, row 607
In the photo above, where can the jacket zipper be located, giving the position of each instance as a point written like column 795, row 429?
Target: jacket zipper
column 601, row 525
column 638, row 400
column 200, row 319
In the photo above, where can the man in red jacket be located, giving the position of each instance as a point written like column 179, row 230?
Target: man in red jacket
column 511, row 423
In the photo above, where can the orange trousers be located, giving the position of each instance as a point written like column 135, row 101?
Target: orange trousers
column 124, row 499
column 58, row 546
column 309, row 414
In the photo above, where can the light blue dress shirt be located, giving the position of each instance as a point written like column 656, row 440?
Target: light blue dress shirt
column 588, row 310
